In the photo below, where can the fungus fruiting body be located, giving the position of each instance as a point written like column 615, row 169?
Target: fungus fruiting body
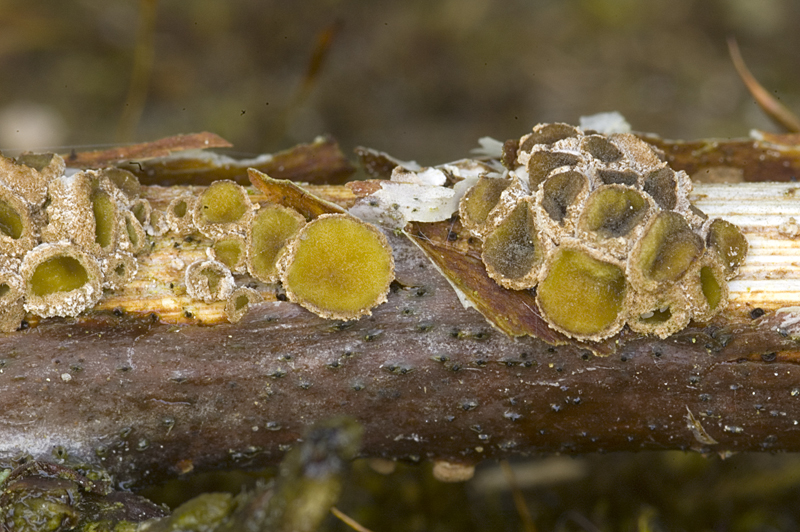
column 65, row 238
column 611, row 239
column 60, row 280
column 273, row 226
column 338, row 267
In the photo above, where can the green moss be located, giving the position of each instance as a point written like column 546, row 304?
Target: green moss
column 60, row 273
column 203, row 512
column 10, row 220
column 581, row 295
column 223, row 202
column 667, row 249
column 560, row 191
column 513, row 250
column 613, row 211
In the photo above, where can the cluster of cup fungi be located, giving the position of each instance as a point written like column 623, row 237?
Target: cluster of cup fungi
column 67, row 237
column 603, row 230
column 63, row 239
column 334, row 265
column 599, row 226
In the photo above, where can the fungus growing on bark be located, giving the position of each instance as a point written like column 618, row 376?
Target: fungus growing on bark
column 17, row 235
column 208, row 280
column 232, row 252
column 126, row 182
column 141, row 210
column 728, row 242
column 134, row 239
column 666, row 250
column 478, row 202
column 273, row 226
column 337, row 267
column 60, row 280
column 542, row 163
column 29, row 174
column 239, row 302
column 547, row 134
column 580, row 294
column 118, row 270
column 222, row 209
column 614, row 229
column 513, row 251
column 179, row 218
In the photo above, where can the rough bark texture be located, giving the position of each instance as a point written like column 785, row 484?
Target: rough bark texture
column 426, row 378
column 150, row 388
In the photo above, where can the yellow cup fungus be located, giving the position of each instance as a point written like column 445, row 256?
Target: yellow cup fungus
column 272, row 228
column 513, row 251
column 60, row 280
column 239, row 302
column 208, row 280
column 221, row 209
column 478, row 202
column 337, row 267
column 16, row 227
column 619, row 240
column 179, row 218
column 580, row 294
column 728, row 243
column 232, row 252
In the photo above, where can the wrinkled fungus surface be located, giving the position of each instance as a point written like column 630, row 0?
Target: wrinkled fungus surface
column 612, row 238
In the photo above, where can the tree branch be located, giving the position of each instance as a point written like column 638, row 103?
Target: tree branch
column 151, row 385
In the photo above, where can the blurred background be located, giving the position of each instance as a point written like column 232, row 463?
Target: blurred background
column 420, row 79
column 424, row 80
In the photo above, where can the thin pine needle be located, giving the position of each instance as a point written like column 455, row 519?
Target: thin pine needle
column 349, row 521
column 778, row 112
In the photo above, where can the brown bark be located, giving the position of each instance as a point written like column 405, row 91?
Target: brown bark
column 150, row 384
column 426, row 378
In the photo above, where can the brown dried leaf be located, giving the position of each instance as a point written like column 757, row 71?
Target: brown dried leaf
column 512, row 311
column 288, row 194
column 147, row 150
column 772, row 158
column 319, row 163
